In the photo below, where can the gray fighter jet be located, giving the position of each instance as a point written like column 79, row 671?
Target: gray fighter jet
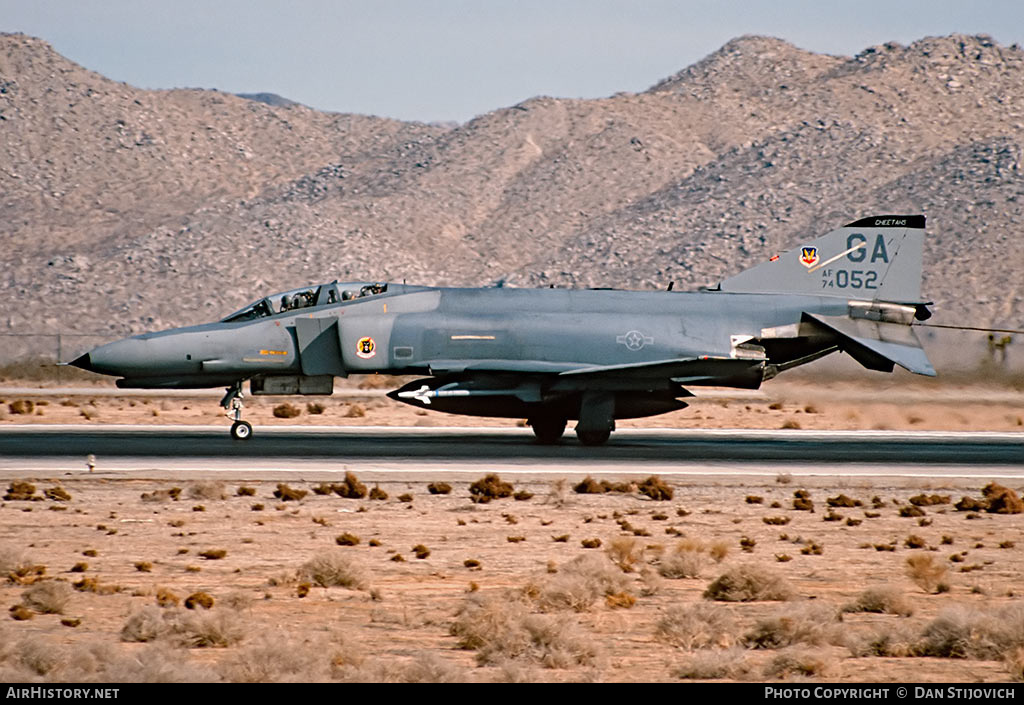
column 553, row 355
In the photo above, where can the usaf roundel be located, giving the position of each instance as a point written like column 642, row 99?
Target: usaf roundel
column 366, row 348
column 634, row 340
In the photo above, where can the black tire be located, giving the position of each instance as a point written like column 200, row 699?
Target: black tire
column 548, row 430
column 241, row 430
column 593, row 438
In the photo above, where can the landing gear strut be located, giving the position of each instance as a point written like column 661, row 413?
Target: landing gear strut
column 232, row 403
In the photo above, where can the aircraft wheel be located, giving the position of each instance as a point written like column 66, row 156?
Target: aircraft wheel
column 241, row 430
column 593, row 438
column 548, row 430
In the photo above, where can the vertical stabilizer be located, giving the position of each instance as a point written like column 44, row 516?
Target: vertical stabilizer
column 876, row 258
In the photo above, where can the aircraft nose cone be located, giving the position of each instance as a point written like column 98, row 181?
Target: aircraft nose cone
column 123, row 357
column 83, row 362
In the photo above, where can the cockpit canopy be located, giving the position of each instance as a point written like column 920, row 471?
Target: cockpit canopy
column 306, row 297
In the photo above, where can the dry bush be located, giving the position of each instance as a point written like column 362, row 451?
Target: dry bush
column 748, row 583
column 275, row 658
column 969, row 504
column 57, row 494
column 406, row 497
column 588, row 486
column 718, row 551
column 885, row 599
column 522, row 496
column 967, row 632
column 775, row 521
column 287, row 494
column 156, row 663
column 687, row 560
column 579, row 584
column 754, row 499
column 80, row 567
column 926, row 572
column 21, row 406
column 915, row 541
column 1002, row 500
column 810, row 623
column 347, row 539
column 199, row 599
column 801, row 662
column 732, row 664
column 924, row 500
column 143, row 566
column 14, row 563
column 909, row 511
column 209, row 490
column 21, row 491
column 41, row 656
column 355, row 411
column 146, row 624
column 515, row 539
column 378, row 494
column 626, row 553
column 421, row 551
column 334, row 570
column 439, row 488
column 244, row 491
column 323, row 489
column 166, row 598
column 500, row 628
column 812, row 549
column 350, row 488
column 47, row 597
column 655, row 488
column 491, row 487
column 623, row 600
column 214, row 554
column 315, row 408
column 214, row 628
column 591, row 543
column 1014, row 661
column 21, row 613
column 696, row 626
column 842, row 500
column 286, row 411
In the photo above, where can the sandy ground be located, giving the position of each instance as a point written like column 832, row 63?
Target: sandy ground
column 398, row 623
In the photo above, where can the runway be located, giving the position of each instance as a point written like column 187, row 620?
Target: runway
column 630, row 451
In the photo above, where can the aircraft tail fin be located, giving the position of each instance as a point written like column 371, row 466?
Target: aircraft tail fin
column 876, row 258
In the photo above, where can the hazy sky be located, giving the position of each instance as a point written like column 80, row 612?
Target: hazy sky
column 454, row 59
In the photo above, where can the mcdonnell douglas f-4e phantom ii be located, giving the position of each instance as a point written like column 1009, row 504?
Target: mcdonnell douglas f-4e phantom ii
column 553, row 355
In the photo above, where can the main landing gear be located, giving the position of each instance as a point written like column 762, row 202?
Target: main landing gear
column 232, row 403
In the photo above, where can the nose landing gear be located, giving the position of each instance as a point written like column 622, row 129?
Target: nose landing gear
column 232, row 403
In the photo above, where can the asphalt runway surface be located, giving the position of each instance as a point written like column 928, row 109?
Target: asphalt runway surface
column 629, row 450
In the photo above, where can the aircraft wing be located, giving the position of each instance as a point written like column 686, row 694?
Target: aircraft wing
column 696, row 371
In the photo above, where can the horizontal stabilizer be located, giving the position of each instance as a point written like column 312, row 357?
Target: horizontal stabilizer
column 877, row 344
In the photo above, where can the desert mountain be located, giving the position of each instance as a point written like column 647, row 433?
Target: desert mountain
column 125, row 210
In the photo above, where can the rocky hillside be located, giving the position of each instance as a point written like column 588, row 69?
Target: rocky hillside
column 124, row 210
